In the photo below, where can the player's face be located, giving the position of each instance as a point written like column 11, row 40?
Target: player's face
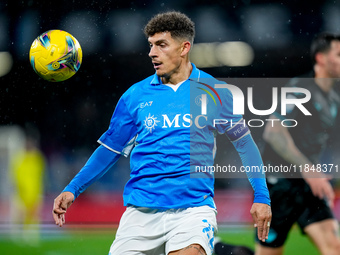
column 165, row 53
column 333, row 60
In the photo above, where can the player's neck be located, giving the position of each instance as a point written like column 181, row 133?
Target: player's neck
column 324, row 84
column 323, row 79
column 181, row 75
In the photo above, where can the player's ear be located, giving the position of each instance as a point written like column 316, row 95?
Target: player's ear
column 186, row 46
column 320, row 58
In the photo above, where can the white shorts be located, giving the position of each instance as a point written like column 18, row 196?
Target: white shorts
column 158, row 232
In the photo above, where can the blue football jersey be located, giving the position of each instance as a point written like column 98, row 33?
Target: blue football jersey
column 167, row 134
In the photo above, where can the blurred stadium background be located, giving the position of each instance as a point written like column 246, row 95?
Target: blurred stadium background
column 234, row 38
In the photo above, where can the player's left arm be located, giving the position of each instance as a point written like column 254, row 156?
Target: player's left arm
column 239, row 134
column 250, row 156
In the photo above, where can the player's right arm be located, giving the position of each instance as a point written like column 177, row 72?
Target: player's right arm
column 98, row 164
column 117, row 140
column 279, row 138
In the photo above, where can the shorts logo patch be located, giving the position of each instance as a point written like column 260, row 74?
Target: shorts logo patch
column 209, row 230
column 271, row 236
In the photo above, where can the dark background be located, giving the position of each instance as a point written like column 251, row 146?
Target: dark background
column 71, row 115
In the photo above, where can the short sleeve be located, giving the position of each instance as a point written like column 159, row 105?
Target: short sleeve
column 122, row 132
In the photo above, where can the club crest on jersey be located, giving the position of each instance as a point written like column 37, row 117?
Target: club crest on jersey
column 150, row 122
column 202, row 100
column 199, row 98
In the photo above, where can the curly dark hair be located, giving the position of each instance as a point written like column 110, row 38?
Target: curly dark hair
column 178, row 24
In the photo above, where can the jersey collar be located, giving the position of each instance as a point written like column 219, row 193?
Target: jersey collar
column 195, row 74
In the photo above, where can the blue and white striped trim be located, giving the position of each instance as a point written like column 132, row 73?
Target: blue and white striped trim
column 126, row 150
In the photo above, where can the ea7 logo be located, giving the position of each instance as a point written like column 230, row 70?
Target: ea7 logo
column 142, row 105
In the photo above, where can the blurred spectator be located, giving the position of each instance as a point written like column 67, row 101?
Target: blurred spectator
column 27, row 171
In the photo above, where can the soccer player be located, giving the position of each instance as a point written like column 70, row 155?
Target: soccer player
column 306, row 200
column 170, row 207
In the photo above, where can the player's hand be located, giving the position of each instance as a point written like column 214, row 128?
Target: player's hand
column 321, row 187
column 61, row 203
column 262, row 216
